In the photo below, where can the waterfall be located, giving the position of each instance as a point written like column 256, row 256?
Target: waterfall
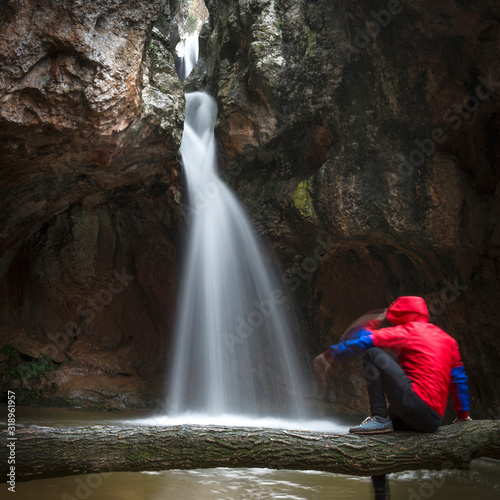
column 233, row 350
column 187, row 50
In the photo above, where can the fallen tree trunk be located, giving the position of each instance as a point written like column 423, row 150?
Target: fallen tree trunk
column 60, row 451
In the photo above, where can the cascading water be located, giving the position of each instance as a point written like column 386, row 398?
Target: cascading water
column 233, row 350
column 188, row 49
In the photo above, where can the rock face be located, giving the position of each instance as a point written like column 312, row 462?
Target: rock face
column 91, row 117
column 364, row 141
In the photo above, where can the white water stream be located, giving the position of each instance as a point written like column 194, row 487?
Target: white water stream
column 187, row 50
column 234, row 350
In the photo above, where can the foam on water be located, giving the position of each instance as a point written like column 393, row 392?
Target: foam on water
column 229, row 420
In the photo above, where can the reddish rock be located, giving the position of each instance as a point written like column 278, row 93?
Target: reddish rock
column 91, row 116
column 366, row 151
column 385, row 140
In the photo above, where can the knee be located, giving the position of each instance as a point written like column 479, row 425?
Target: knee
column 373, row 354
column 378, row 357
column 370, row 364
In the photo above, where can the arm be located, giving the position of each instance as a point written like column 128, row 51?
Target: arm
column 393, row 338
column 355, row 339
column 351, row 348
column 323, row 364
column 460, row 390
column 323, row 367
column 459, row 386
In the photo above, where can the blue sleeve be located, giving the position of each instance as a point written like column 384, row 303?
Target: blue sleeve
column 351, row 348
column 460, row 387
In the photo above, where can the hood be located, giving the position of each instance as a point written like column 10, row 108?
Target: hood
column 406, row 309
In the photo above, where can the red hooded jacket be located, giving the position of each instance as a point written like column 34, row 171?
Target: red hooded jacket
column 428, row 355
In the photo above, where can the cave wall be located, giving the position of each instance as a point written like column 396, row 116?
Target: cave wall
column 363, row 138
column 91, row 117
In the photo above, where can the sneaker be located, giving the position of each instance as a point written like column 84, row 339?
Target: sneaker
column 373, row 425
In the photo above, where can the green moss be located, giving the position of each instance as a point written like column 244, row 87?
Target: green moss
column 302, row 199
column 153, row 52
column 191, row 23
column 133, row 454
column 17, row 368
column 310, row 42
column 8, row 350
column 36, row 369
column 26, row 374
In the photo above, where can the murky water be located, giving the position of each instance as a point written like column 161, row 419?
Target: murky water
column 482, row 482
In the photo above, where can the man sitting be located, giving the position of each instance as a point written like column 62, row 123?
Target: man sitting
column 417, row 385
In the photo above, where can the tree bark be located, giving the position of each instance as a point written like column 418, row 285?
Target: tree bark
column 60, row 451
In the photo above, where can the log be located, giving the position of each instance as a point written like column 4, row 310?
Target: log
column 60, row 451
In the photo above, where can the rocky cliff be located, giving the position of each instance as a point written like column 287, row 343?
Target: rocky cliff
column 362, row 138
column 91, row 120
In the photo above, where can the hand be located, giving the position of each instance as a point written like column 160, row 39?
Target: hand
column 323, row 369
column 467, row 419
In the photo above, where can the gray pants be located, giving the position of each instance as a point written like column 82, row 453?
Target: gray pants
column 385, row 378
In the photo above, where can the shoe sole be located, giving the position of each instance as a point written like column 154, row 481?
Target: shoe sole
column 385, row 431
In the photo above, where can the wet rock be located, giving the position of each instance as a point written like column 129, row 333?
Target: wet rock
column 363, row 141
column 91, row 117
column 375, row 128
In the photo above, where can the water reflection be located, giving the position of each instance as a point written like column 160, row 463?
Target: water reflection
column 209, row 484
column 262, row 484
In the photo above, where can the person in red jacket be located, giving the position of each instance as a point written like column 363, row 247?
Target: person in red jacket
column 417, row 385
